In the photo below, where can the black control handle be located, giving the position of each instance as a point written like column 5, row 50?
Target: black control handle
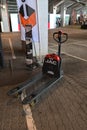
column 57, row 36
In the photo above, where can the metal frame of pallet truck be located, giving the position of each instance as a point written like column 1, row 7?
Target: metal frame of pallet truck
column 34, row 97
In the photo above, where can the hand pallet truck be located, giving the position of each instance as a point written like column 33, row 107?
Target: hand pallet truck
column 51, row 67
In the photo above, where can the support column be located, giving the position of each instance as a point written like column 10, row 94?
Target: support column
column 43, row 26
column 63, row 13
column 39, row 22
column 54, row 9
column 5, row 20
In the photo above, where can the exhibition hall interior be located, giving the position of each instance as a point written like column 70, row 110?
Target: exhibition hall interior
column 43, row 64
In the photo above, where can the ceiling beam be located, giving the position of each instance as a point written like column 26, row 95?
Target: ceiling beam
column 58, row 4
column 80, row 2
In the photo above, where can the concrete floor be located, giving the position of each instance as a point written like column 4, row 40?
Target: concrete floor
column 64, row 107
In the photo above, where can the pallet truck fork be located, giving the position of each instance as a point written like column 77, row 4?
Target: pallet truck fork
column 18, row 90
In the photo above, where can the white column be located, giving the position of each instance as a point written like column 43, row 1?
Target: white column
column 54, row 9
column 43, row 26
column 63, row 13
column 5, row 19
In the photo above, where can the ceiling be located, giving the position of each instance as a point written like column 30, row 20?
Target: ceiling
column 69, row 4
column 78, row 5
